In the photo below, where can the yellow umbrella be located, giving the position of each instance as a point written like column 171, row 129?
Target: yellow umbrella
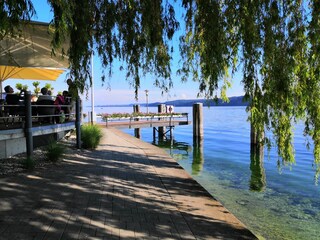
column 50, row 74
column 10, row 72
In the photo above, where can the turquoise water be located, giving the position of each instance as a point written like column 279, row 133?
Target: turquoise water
column 273, row 203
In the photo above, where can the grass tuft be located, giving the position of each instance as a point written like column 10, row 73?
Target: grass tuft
column 54, row 151
column 90, row 136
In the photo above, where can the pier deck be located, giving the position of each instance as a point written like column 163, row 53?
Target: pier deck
column 147, row 122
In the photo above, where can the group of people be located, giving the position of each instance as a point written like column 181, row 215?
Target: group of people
column 66, row 98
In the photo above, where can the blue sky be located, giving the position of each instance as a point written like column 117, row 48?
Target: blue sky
column 117, row 90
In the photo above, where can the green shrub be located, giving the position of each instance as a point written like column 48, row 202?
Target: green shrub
column 28, row 163
column 54, row 151
column 90, row 136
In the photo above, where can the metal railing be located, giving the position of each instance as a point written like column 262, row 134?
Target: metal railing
column 13, row 116
column 25, row 117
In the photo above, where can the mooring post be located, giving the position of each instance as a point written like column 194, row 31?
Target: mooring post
column 256, row 138
column 136, row 108
column 137, row 131
column 154, row 134
column 78, row 123
column 171, row 132
column 197, row 114
column 161, row 130
column 28, row 123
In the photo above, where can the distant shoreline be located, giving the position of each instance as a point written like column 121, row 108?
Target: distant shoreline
column 233, row 101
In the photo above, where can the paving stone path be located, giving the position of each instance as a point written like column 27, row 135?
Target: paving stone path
column 125, row 189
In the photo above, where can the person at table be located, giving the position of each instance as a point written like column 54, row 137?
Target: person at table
column 59, row 109
column 45, row 95
column 8, row 89
column 14, row 98
column 14, row 103
column 60, row 100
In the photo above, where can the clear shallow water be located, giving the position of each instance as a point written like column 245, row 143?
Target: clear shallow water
column 273, row 203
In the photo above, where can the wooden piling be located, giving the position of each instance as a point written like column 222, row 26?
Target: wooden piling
column 161, row 130
column 136, row 108
column 137, row 131
column 197, row 115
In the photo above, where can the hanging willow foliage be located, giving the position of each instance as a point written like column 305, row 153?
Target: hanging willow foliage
column 275, row 44
column 136, row 32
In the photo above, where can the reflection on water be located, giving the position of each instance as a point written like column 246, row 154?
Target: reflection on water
column 179, row 150
column 287, row 207
column 258, row 177
column 198, row 159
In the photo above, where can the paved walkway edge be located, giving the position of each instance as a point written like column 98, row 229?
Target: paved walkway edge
column 191, row 198
column 125, row 189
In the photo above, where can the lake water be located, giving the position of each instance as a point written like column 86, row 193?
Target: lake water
column 273, row 203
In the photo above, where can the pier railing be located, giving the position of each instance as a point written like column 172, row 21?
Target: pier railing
column 27, row 120
column 131, row 120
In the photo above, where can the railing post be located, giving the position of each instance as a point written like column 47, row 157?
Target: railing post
column 78, row 123
column 28, row 123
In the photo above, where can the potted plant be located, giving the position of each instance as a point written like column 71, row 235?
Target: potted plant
column 49, row 87
column 36, row 88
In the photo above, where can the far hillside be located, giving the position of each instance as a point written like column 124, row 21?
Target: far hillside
column 234, row 101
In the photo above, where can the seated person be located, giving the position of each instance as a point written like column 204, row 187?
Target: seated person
column 58, row 102
column 58, row 109
column 11, row 97
column 12, row 100
column 44, row 95
column 45, row 106
column 8, row 89
column 67, row 101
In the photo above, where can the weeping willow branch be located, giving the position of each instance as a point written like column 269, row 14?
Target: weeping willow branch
column 274, row 44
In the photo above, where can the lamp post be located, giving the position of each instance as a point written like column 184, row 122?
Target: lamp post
column 147, row 93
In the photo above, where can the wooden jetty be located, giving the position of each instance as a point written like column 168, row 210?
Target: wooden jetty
column 161, row 124
column 170, row 120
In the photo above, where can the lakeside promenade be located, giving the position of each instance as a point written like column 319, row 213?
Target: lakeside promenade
column 125, row 189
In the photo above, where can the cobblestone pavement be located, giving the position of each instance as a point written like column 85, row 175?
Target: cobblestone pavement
column 125, row 189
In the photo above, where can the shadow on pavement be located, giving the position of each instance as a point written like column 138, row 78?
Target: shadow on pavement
column 110, row 194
